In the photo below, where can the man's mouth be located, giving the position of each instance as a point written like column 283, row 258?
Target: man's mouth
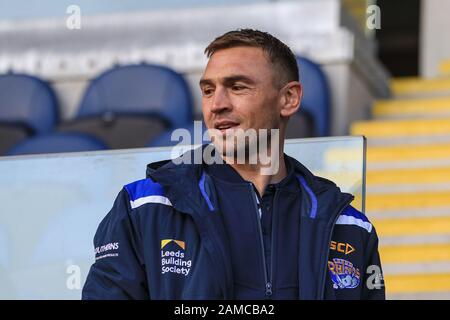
column 225, row 125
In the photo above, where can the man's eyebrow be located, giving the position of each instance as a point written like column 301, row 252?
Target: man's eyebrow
column 228, row 80
column 232, row 79
column 204, row 82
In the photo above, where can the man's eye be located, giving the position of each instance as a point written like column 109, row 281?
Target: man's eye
column 237, row 88
column 207, row 91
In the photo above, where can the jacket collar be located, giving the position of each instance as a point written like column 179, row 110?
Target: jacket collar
column 182, row 182
column 226, row 173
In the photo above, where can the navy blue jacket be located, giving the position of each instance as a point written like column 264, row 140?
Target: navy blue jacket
column 164, row 239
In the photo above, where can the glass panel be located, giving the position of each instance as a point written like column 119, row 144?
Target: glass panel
column 340, row 159
column 51, row 206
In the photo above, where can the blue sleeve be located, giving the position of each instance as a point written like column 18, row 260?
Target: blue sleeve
column 374, row 288
column 118, row 271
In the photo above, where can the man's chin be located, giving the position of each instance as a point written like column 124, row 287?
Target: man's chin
column 231, row 150
column 224, row 148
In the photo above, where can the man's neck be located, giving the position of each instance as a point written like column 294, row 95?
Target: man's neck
column 252, row 173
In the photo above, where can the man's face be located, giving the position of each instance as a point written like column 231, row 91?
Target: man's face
column 239, row 91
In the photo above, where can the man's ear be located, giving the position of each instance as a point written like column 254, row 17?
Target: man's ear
column 292, row 96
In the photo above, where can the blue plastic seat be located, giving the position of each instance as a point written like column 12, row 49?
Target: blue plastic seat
column 27, row 106
column 28, row 101
column 128, row 106
column 139, row 89
column 316, row 95
column 57, row 142
column 164, row 140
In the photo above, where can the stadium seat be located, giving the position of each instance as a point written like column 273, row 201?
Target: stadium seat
column 316, row 99
column 57, row 142
column 27, row 106
column 127, row 106
column 164, row 140
column 301, row 125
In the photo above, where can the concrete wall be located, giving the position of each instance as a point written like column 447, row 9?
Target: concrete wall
column 434, row 36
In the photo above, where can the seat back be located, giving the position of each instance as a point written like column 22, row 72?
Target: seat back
column 10, row 135
column 120, row 132
column 192, row 135
column 300, row 125
column 57, row 142
column 139, row 89
column 27, row 101
column 316, row 95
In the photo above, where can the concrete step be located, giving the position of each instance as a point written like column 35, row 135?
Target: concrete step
column 414, row 87
column 419, row 253
column 444, row 67
column 408, row 176
column 402, row 128
column 408, row 186
column 398, row 180
column 439, row 295
column 407, row 200
column 426, row 177
column 414, row 239
column 398, row 227
column 411, row 108
column 412, row 141
column 409, row 213
column 398, row 156
column 406, row 153
column 417, row 283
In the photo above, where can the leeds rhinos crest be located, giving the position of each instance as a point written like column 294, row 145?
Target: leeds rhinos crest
column 343, row 274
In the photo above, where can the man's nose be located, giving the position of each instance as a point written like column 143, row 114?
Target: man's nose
column 220, row 101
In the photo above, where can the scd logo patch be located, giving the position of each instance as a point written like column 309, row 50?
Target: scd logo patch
column 343, row 274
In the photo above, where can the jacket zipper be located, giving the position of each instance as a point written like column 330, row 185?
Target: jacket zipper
column 272, row 247
column 267, row 277
column 324, row 274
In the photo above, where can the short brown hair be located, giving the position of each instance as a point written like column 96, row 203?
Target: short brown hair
column 278, row 53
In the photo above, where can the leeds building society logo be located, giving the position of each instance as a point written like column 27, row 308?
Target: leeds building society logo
column 173, row 257
column 343, row 274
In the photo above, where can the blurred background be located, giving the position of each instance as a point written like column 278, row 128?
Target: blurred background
column 109, row 74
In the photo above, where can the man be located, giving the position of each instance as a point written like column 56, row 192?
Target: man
column 227, row 231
